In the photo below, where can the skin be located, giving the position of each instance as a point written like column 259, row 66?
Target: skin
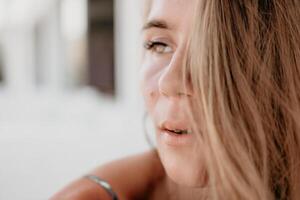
column 122, row 176
column 170, row 171
column 163, row 89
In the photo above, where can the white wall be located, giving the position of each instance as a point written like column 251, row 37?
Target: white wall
column 50, row 137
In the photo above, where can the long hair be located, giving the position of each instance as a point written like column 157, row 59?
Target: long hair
column 244, row 66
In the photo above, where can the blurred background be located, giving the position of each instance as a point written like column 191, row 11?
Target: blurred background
column 69, row 93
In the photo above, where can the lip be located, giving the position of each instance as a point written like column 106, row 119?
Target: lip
column 174, row 125
column 172, row 139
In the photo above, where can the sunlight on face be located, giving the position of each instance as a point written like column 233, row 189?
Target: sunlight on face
column 165, row 36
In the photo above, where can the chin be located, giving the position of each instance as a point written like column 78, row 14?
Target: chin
column 183, row 166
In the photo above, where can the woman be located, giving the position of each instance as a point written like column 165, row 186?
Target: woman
column 221, row 82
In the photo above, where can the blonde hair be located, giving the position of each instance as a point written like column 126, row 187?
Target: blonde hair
column 244, row 67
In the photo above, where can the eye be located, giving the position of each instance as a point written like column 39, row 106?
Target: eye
column 158, row 47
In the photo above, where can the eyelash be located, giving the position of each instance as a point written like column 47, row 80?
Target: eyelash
column 150, row 45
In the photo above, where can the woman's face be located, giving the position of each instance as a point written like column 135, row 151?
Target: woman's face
column 165, row 37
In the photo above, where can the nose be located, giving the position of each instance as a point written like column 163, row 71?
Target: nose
column 171, row 82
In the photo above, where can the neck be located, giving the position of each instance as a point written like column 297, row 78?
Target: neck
column 180, row 192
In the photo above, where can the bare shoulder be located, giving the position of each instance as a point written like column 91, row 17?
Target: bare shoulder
column 159, row 190
column 81, row 189
column 130, row 177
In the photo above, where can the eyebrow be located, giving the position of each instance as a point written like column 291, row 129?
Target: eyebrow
column 155, row 24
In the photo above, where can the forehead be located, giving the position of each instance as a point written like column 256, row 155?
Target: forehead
column 176, row 13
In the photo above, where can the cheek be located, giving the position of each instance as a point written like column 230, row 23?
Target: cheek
column 149, row 87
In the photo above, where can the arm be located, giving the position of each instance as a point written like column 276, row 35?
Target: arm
column 130, row 178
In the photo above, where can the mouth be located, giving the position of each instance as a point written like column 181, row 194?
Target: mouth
column 179, row 128
column 175, row 134
column 179, row 131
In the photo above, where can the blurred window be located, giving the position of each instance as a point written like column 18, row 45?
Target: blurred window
column 40, row 56
column 1, row 65
column 101, row 45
